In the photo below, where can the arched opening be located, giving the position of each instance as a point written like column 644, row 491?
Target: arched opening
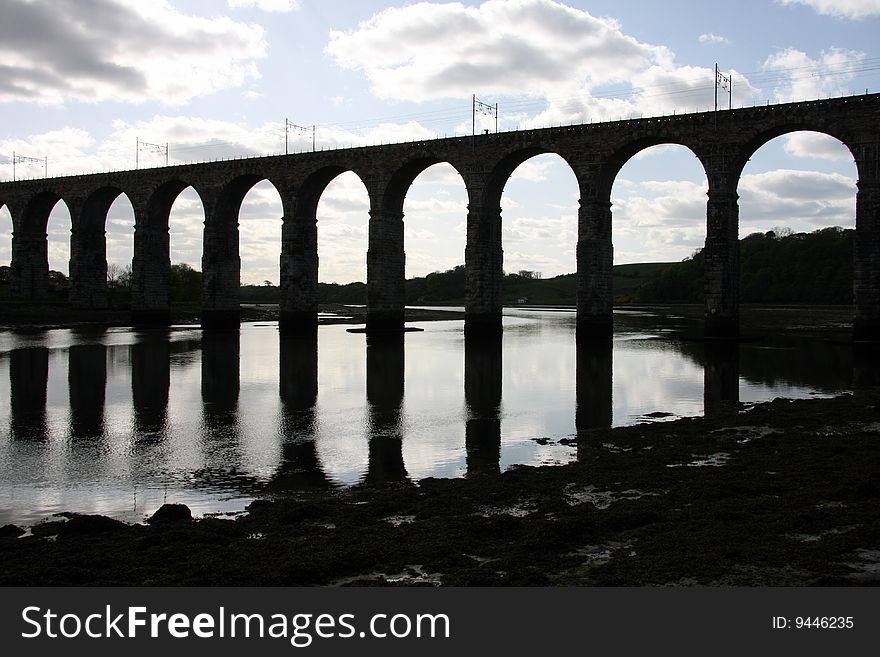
column 260, row 219
column 435, row 231
column 58, row 234
column 120, row 250
column 797, row 198
column 658, row 227
column 186, row 221
column 97, row 280
column 5, row 249
column 539, row 208
column 41, row 241
column 222, row 272
column 342, row 213
column 166, row 268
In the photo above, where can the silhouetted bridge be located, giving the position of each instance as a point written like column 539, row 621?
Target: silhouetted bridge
column 722, row 142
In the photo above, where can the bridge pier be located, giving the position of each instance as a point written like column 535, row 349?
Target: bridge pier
column 30, row 266
column 721, row 255
column 88, row 268
column 221, row 275
column 483, row 258
column 866, row 263
column 386, row 277
column 298, row 310
column 595, row 259
column 150, row 273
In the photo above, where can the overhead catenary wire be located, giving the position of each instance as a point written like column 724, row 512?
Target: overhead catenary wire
column 440, row 118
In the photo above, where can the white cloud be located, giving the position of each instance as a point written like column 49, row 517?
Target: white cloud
column 806, row 78
column 540, row 49
column 279, row 6
column 816, row 145
column 785, row 196
column 852, row 9
column 120, row 50
column 713, row 38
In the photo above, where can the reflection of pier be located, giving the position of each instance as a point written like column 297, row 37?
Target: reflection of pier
column 866, row 367
column 220, row 377
column 593, row 385
column 721, row 378
column 28, row 379
column 87, row 379
column 150, row 380
column 300, row 466
column 482, row 393
column 385, row 385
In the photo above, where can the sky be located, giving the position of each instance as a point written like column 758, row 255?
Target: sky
column 82, row 82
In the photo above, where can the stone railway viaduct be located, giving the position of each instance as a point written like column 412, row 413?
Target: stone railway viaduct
column 723, row 142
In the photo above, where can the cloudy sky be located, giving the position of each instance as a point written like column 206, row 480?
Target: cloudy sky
column 81, row 81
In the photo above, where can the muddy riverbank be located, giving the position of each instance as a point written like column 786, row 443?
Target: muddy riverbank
column 781, row 493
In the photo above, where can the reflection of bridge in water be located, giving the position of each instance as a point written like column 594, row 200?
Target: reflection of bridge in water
column 299, row 464
column 722, row 141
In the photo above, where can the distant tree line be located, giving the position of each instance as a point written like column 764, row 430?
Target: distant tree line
column 775, row 267
column 779, row 266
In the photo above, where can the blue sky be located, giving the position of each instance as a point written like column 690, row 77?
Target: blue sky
column 81, row 80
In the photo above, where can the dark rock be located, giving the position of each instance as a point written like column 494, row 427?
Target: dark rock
column 171, row 513
column 86, row 525
column 259, row 505
column 47, row 528
column 10, row 531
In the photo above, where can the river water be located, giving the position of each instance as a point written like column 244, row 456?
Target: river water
column 118, row 422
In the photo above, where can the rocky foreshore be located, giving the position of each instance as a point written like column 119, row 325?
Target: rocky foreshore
column 781, row 493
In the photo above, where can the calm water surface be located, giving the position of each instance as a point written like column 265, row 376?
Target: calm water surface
column 118, row 421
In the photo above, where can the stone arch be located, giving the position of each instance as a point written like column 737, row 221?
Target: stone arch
column 30, row 255
column 299, row 247
column 395, row 194
column 507, row 164
column 151, row 264
column 88, row 248
column 816, row 195
column 658, row 210
column 625, row 152
column 483, row 252
column 402, row 179
column 758, row 140
column 221, row 254
column 5, row 232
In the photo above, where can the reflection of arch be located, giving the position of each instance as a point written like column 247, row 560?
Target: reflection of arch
column 151, row 265
column 30, row 255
